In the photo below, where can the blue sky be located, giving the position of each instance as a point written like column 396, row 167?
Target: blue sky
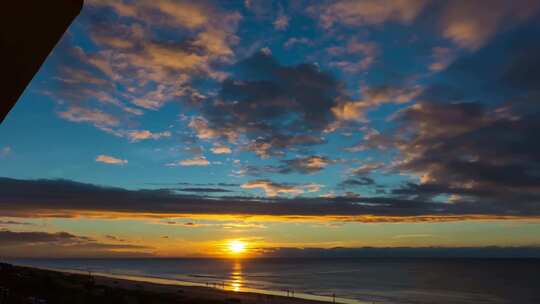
column 370, row 108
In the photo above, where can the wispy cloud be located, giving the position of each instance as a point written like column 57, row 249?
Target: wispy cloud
column 272, row 189
column 281, row 22
column 195, row 161
column 5, row 151
column 106, row 159
column 138, row 135
column 368, row 12
column 94, row 116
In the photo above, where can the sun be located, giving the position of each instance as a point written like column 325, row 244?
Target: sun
column 236, row 246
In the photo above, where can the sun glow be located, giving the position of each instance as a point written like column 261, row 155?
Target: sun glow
column 236, row 246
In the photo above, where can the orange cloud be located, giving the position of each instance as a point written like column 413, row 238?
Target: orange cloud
column 110, row 160
column 374, row 97
column 138, row 135
column 273, row 189
column 470, row 24
column 195, row 161
column 220, row 149
column 98, row 118
column 370, row 12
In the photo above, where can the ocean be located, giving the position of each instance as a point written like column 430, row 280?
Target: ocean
column 352, row 280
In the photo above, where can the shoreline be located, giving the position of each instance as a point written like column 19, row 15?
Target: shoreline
column 197, row 290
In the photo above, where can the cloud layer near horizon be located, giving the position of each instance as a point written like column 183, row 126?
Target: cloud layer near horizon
column 29, row 244
column 63, row 198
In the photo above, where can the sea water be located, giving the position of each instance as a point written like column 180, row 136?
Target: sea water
column 378, row 280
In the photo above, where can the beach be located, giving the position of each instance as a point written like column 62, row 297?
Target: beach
column 20, row 284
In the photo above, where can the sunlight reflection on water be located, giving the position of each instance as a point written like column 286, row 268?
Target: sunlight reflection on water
column 237, row 279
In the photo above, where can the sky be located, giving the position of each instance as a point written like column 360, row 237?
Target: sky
column 172, row 128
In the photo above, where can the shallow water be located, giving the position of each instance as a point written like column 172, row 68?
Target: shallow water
column 363, row 279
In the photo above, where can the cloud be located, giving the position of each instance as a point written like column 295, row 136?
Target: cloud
column 466, row 149
column 9, row 238
column 367, row 168
column 209, row 184
column 303, row 165
column 271, row 188
column 442, row 57
column 220, row 149
column 296, row 41
column 417, row 252
column 281, row 23
column 114, row 238
column 274, row 107
column 307, row 164
column 133, row 69
column 62, row 244
column 138, row 135
column 465, row 145
column 175, row 13
column 97, row 117
column 368, row 12
column 233, row 225
column 214, row 26
column 470, row 24
column 5, row 151
column 374, row 97
column 356, row 182
column 14, row 223
column 195, row 161
column 203, row 131
column 110, row 160
column 204, row 190
column 62, row 198
column 355, row 56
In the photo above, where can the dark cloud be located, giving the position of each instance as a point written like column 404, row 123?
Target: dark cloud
column 416, row 252
column 54, row 198
column 505, row 69
column 114, row 238
column 206, row 184
column 357, row 182
column 227, row 184
column 523, row 70
column 308, row 164
column 303, row 165
column 8, row 238
column 15, row 223
column 472, row 139
column 204, row 190
column 276, row 107
column 470, row 147
column 367, row 168
column 62, row 244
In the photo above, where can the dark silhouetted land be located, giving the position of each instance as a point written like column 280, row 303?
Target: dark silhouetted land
column 29, row 285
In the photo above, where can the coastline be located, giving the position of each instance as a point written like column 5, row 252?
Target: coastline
column 194, row 290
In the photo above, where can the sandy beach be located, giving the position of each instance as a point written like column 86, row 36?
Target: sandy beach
column 28, row 283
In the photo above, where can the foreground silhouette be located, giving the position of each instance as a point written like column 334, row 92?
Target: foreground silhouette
column 29, row 30
column 37, row 286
